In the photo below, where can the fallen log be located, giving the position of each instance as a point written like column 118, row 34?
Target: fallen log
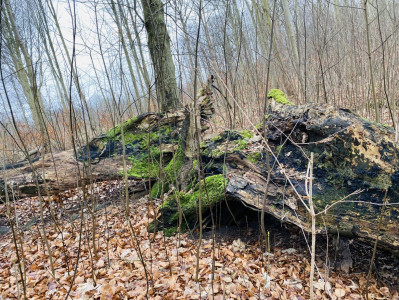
column 352, row 157
column 350, row 154
column 104, row 153
column 150, row 138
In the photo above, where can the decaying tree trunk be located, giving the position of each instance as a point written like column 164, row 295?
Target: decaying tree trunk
column 147, row 137
column 356, row 162
column 103, row 152
column 352, row 156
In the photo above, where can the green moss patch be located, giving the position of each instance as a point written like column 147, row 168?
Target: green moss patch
column 279, row 97
column 213, row 191
column 246, row 134
column 240, row 145
column 169, row 174
column 143, row 148
column 255, row 157
column 147, row 166
column 114, row 132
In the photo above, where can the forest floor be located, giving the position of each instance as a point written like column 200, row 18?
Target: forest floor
column 231, row 266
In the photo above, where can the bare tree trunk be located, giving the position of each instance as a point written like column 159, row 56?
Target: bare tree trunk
column 24, row 70
column 142, row 66
column 197, row 136
column 44, row 31
column 313, row 216
column 69, row 61
column 293, row 43
column 366, row 19
column 161, row 55
column 125, row 50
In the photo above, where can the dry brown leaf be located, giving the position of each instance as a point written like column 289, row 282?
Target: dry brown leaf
column 100, row 264
column 227, row 279
column 85, row 288
column 320, row 284
column 164, row 264
column 227, row 252
column 340, row 293
column 385, row 291
column 355, row 296
column 79, row 279
column 107, row 291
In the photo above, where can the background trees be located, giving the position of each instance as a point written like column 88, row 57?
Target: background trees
column 23, row 65
column 340, row 52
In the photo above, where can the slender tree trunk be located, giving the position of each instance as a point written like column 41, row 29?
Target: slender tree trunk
column 69, row 61
column 25, row 70
column 197, row 136
column 161, row 55
column 142, row 67
column 125, row 50
column 366, row 19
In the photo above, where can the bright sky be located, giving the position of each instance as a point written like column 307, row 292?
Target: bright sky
column 86, row 38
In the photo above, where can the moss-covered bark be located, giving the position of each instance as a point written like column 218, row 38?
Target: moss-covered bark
column 169, row 174
column 214, row 185
column 213, row 192
column 350, row 153
column 149, row 139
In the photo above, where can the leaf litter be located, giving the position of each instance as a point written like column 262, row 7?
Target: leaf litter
column 228, row 269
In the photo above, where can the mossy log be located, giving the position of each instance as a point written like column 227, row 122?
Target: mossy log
column 157, row 146
column 350, row 154
column 148, row 138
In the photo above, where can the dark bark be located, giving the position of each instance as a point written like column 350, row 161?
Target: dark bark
column 350, row 153
column 161, row 55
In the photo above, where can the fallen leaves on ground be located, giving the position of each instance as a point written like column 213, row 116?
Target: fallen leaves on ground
column 128, row 262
